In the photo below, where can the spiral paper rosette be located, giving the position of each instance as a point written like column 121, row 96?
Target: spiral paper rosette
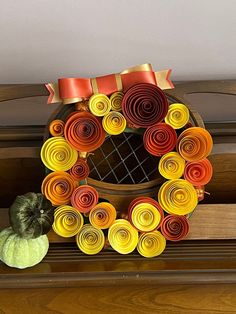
column 171, row 166
column 67, row 221
column 159, row 139
column 103, row 215
column 177, row 197
column 177, row 116
column 114, row 123
column 175, row 228
column 84, row 131
column 144, row 105
column 56, row 127
column 80, row 170
column 122, row 236
column 84, row 198
column 58, row 187
column 194, row 144
column 198, row 172
column 90, row 240
column 116, row 101
column 99, row 105
column 58, row 155
column 151, row 244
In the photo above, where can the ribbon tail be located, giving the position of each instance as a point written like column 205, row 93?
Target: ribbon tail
column 54, row 93
column 163, row 79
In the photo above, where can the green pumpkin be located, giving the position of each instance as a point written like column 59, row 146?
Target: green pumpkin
column 31, row 215
column 21, row 253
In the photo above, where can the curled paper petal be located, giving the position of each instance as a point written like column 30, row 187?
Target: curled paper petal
column 56, row 128
column 171, row 166
column 198, row 172
column 84, row 131
column 177, row 116
column 122, row 236
column 144, row 105
column 80, row 170
column 177, row 197
column 194, row 144
column 90, row 240
column 58, row 187
column 99, row 105
column 103, row 215
column 151, row 244
column 67, row 221
column 84, row 198
column 114, row 123
column 116, row 100
column 175, row 228
column 159, row 139
column 145, row 217
column 200, row 192
column 82, row 106
column 58, row 155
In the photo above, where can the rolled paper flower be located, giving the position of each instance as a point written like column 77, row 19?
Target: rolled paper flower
column 151, row 244
column 145, row 217
column 114, row 123
column 177, row 197
column 99, row 105
column 67, row 221
column 200, row 192
column 194, row 144
column 56, row 128
column 80, row 170
column 116, row 100
column 144, row 105
column 171, row 166
column 90, row 240
column 122, row 236
column 84, row 198
column 58, row 187
column 58, row 155
column 82, row 106
column 103, row 215
column 198, row 172
column 84, row 131
column 177, row 116
column 175, row 228
column 159, row 139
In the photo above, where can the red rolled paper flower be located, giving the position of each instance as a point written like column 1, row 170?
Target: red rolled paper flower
column 144, row 105
column 198, row 172
column 159, row 139
column 84, row 198
column 80, row 170
column 175, row 228
column 84, row 131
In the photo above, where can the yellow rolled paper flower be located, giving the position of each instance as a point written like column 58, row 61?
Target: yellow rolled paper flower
column 99, row 105
column 116, row 100
column 90, row 240
column 145, row 217
column 103, row 215
column 177, row 116
column 151, row 244
column 58, row 155
column 114, row 123
column 177, row 197
column 67, row 221
column 122, row 236
column 171, row 165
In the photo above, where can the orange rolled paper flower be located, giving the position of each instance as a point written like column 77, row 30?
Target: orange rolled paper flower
column 58, row 187
column 194, row 144
column 159, row 139
column 84, row 131
column 102, row 215
column 144, row 105
column 56, row 128
column 84, row 198
column 198, row 172
column 80, row 170
column 175, row 228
